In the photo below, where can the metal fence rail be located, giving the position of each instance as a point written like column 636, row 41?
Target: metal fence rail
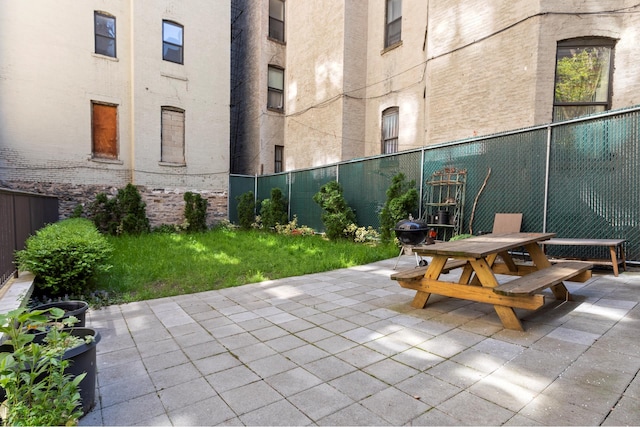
column 21, row 214
column 579, row 178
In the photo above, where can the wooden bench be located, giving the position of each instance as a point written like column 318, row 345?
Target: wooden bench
column 419, row 272
column 614, row 246
column 538, row 280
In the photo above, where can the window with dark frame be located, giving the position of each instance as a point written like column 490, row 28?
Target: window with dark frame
column 584, row 71
column 105, row 34
column 104, row 131
column 275, row 96
column 172, row 136
column 276, row 20
column 172, row 42
column 390, row 130
column 393, row 23
column 278, row 156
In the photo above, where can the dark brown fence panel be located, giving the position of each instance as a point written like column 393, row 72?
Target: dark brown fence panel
column 21, row 215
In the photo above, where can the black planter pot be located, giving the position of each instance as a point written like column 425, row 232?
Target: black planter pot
column 71, row 308
column 83, row 360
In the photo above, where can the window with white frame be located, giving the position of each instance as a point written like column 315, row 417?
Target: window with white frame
column 390, row 130
column 276, row 20
column 275, row 97
column 172, row 42
column 105, row 34
column 393, row 23
column 172, row 136
column 584, row 69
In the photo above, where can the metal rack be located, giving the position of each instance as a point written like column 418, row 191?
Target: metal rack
column 444, row 202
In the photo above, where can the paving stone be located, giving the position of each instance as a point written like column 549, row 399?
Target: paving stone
column 133, row 411
column 473, row 410
column 320, row 401
column 210, row 411
column 358, row 385
column 250, row 397
column 186, row 393
column 428, row 389
column 293, row 381
column 280, row 413
column 395, row 406
column 353, row 415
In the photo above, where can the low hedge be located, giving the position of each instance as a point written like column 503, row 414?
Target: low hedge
column 64, row 256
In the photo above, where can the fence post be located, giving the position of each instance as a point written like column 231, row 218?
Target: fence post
column 546, row 181
column 421, row 181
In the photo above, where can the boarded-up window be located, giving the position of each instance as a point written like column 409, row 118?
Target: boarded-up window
column 172, row 135
column 104, row 131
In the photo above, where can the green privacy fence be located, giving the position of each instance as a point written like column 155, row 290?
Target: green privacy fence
column 579, row 178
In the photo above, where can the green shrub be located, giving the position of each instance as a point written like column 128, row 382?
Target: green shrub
column 64, row 256
column 123, row 214
column 402, row 201
column 274, row 210
column 246, row 210
column 337, row 215
column 195, row 212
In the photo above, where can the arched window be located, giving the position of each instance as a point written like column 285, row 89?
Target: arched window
column 390, row 130
column 584, row 68
column 172, row 136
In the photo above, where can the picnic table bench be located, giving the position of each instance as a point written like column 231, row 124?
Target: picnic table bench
column 614, row 245
column 478, row 281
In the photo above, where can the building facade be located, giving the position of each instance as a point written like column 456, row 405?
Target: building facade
column 104, row 93
column 362, row 78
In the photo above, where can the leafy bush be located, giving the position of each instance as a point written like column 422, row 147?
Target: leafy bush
column 246, row 210
column 402, row 200
column 337, row 215
column 361, row 234
column 195, row 212
column 65, row 255
column 294, row 229
column 123, row 214
column 274, row 210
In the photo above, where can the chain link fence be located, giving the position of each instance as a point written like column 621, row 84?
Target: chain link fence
column 578, row 179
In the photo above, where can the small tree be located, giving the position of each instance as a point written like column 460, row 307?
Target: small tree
column 123, row 214
column 274, row 210
column 195, row 212
column 337, row 215
column 402, row 200
column 246, row 210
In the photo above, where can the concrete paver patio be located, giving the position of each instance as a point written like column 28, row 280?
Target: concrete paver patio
column 346, row 348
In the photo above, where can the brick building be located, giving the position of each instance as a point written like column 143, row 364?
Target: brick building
column 361, row 78
column 97, row 94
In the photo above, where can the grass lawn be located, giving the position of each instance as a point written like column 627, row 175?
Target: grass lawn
column 160, row 265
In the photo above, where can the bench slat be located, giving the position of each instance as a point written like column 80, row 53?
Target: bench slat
column 419, row 272
column 547, row 277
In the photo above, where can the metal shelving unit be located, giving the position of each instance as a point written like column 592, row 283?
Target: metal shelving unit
column 444, row 202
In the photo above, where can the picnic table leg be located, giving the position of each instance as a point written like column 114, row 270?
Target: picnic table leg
column 485, row 275
column 433, row 272
column 540, row 260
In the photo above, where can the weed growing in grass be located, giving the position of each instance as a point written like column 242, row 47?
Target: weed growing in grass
column 165, row 264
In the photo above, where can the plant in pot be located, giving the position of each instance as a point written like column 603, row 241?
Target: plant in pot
column 47, row 368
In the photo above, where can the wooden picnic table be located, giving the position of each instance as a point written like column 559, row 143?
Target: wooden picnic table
column 477, row 256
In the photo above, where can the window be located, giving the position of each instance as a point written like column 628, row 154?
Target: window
column 276, row 20
column 172, row 47
column 172, row 150
column 583, row 77
column 275, row 98
column 279, row 154
column 104, row 131
column 393, row 23
column 105, row 34
column 390, row 130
